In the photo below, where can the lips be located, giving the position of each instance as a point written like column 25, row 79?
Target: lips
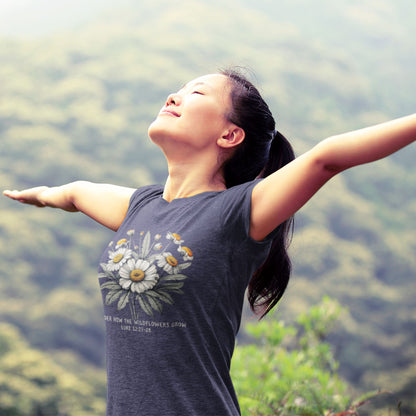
column 168, row 112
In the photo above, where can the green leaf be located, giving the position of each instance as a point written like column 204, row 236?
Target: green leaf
column 146, row 245
column 173, row 277
column 184, row 266
column 163, row 296
column 172, row 286
column 107, row 273
column 112, row 296
column 146, row 308
column 154, row 304
column 111, row 285
column 124, row 299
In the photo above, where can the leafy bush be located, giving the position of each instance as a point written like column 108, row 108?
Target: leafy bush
column 291, row 370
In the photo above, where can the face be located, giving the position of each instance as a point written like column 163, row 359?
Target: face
column 195, row 116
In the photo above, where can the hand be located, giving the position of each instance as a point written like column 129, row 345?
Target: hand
column 43, row 196
column 30, row 196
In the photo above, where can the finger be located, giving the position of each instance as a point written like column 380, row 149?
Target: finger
column 10, row 194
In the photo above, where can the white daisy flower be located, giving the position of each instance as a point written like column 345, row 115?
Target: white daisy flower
column 175, row 237
column 186, row 253
column 138, row 275
column 118, row 258
column 121, row 243
column 168, row 263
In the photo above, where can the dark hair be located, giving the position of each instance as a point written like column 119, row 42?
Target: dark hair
column 263, row 151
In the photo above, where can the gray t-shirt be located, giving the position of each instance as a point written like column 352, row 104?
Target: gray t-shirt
column 173, row 281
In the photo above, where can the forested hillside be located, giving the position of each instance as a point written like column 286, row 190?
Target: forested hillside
column 76, row 105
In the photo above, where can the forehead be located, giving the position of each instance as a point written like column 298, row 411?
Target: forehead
column 217, row 82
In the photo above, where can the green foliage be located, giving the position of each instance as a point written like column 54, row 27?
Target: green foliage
column 290, row 370
column 77, row 106
column 32, row 384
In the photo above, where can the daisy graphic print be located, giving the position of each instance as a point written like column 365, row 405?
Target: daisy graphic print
column 145, row 273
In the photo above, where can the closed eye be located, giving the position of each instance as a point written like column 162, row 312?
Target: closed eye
column 197, row 92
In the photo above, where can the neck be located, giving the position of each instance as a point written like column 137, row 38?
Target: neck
column 188, row 179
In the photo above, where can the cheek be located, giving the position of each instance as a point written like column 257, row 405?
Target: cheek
column 209, row 119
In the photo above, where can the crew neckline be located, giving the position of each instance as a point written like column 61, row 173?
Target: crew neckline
column 188, row 198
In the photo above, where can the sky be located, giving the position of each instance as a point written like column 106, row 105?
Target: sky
column 32, row 18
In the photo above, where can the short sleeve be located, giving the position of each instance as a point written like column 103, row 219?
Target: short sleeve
column 236, row 211
column 142, row 196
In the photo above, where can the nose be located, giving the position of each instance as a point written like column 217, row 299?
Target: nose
column 173, row 99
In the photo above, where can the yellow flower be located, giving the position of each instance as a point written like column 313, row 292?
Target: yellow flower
column 186, row 253
column 122, row 241
column 175, row 237
column 168, row 263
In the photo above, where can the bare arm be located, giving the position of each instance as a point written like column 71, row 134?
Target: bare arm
column 106, row 204
column 284, row 192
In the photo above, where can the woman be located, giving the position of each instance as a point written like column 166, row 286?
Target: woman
column 174, row 277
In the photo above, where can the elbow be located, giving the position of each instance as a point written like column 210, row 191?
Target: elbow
column 333, row 169
column 72, row 193
column 327, row 159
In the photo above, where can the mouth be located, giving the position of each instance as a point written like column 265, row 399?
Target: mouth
column 168, row 112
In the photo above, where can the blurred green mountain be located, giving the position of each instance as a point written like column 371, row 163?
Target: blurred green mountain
column 75, row 104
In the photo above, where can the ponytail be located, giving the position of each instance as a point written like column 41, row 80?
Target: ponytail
column 269, row 282
column 280, row 153
column 263, row 151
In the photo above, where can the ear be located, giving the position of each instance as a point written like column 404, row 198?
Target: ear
column 231, row 137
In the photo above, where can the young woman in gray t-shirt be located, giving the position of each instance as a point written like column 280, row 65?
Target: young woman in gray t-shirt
column 218, row 136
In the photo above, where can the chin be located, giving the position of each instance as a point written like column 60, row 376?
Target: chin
column 154, row 130
column 158, row 134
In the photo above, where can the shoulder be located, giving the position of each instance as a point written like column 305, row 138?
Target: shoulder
column 145, row 193
column 236, row 207
column 242, row 190
column 239, row 196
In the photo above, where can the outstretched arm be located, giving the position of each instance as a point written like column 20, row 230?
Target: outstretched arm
column 284, row 192
column 106, row 204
